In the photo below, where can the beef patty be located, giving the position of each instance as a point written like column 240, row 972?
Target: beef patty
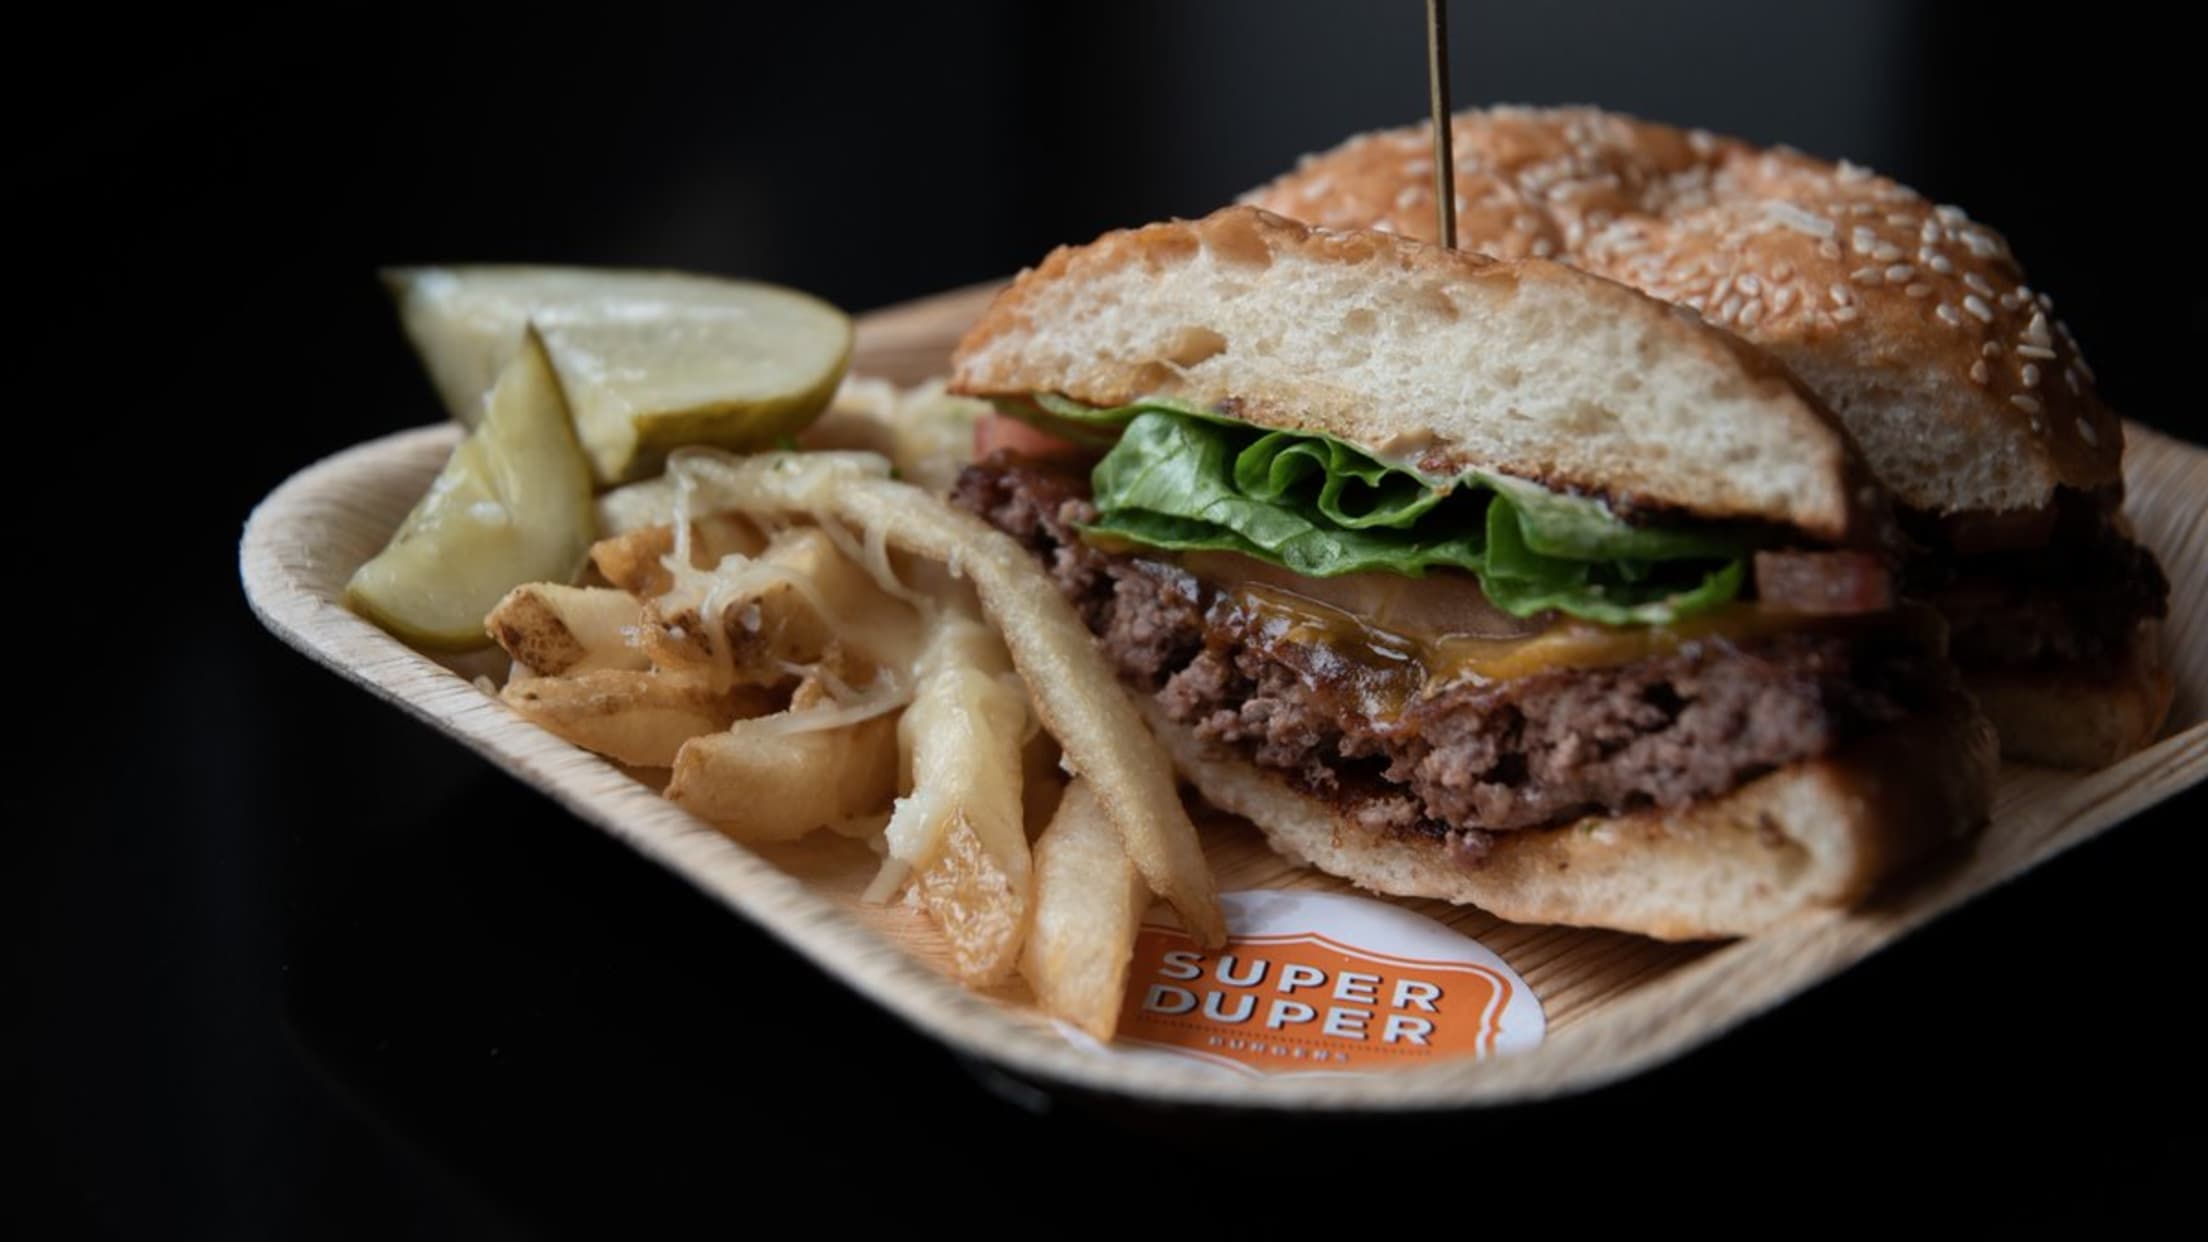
column 2060, row 586
column 1477, row 756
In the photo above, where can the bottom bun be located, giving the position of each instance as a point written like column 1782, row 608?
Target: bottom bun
column 2079, row 718
column 1810, row 835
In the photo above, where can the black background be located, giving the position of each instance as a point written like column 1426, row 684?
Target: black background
column 286, row 964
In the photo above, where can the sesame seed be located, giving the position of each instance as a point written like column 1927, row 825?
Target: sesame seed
column 1729, row 309
column 1887, row 252
column 2086, row 433
column 1524, row 223
column 2046, row 301
column 1862, row 209
column 1750, row 312
column 1864, row 276
column 2070, row 377
column 1694, row 303
column 1461, row 204
column 2035, row 351
column 1977, row 306
column 1949, row 213
column 1990, row 350
column 2009, row 300
column 1948, row 315
column 1409, row 198
column 1419, row 168
column 1930, row 232
column 1939, row 263
column 1845, row 314
column 1840, row 294
column 1918, row 289
column 1978, row 284
column 2035, row 332
column 1724, row 287
column 1900, row 273
column 1748, row 284
column 2025, row 402
column 1979, row 375
column 1829, row 249
column 1782, row 299
column 1543, row 247
column 2029, row 375
column 1383, row 226
column 1979, row 243
column 1317, row 189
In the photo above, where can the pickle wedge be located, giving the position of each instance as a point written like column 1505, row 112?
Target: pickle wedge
column 513, row 505
column 650, row 361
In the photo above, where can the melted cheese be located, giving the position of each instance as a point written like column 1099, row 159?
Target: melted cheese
column 738, row 581
column 1383, row 670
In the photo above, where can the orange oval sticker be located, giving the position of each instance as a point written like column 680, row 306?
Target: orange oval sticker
column 1323, row 983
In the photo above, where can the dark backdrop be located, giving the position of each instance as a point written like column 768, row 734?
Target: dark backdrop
column 286, row 964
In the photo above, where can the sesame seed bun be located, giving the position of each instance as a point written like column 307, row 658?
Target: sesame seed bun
column 1913, row 322
column 1441, row 359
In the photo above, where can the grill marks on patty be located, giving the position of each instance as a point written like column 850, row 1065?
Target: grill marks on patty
column 1476, row 757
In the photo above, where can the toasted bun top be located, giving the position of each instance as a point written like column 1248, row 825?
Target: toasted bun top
column 1912, row 321
column 1439, row 359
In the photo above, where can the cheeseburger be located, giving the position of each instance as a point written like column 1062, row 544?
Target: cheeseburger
column 1493, row 581
column 1914, row 323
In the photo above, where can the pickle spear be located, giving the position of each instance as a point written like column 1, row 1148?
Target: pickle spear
column 650, row 361
column 513, row 505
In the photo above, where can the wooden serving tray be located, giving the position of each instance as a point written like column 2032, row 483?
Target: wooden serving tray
column 1616, row 1004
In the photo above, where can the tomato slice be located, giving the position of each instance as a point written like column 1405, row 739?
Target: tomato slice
column 994, row 432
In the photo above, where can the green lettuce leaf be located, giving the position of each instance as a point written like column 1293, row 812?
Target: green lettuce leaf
column 1185, row 479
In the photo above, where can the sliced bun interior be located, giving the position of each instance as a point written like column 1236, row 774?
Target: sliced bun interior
column 1914, row 322
column 1438, row 359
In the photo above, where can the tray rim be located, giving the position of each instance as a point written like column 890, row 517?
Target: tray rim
column 1655, row 1023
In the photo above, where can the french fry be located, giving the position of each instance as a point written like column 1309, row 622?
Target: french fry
column 551, row 629
column 789, row 605
column 981, row 908
column 961, row 830
column 768, row 780
column 1074, row 692
column 639, row 718
column 1088, row 905
column 635, row 560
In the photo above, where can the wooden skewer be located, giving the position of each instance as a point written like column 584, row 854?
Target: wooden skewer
column 1437, row 77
